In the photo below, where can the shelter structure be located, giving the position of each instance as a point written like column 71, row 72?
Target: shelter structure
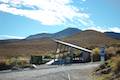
column 65, row 53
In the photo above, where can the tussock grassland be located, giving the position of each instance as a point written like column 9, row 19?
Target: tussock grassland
column 110, row 70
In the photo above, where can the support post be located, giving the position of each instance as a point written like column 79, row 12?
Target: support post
column 91, row 55
column 56, row 51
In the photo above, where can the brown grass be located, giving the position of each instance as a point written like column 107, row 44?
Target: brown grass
column 88, row 39
column 27, row 48
column 114, row 73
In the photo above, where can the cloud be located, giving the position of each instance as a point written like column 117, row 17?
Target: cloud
column 83, row 0
column 115, row 29
column 48, row 12
column 105, row 29
column 98, row 28
column 3, row 37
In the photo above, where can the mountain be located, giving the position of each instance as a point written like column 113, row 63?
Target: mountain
column 39, row 36
column 45, row 45
column 9, row 41
column 113, row 35
column 61, row 34
column 91, row 38
column 65, row 33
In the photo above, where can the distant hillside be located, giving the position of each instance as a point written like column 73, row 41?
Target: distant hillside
column 91, row 38
column 45, row 45
column 39, row 36
column 61, row 34
column 28, row 47
column 113, row 35
column 65, row 33
column 9, row 41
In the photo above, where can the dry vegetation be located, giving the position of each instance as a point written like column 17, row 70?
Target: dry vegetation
column 110, row 70
column 27, row 48
column 91, row 39
column 88, row 39
column 18, row 53
column 10, row 62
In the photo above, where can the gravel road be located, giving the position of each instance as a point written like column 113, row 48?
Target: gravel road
column 45, row 72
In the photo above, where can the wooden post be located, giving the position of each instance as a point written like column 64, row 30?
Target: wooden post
column 56, row 51
column 71, row 55
column 91, row 55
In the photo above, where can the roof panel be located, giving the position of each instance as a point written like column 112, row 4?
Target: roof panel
column 72, row 45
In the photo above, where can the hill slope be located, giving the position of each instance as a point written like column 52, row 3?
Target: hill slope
column 39, row 36
column 91, row 38
column 61, row 34
column 88, row 38
column 113, row 35
column 28, row 47
column 65, row 33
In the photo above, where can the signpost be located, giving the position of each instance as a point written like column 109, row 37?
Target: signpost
column 102, row 54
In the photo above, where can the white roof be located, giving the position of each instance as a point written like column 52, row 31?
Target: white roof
column 72, row 45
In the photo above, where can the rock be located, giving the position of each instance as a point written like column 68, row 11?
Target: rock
column 33, row 66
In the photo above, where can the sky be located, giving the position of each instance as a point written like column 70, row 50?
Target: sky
column 21, row 18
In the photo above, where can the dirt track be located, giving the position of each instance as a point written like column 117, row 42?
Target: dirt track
column 68, row 72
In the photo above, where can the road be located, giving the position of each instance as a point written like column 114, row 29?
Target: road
column 68, row 72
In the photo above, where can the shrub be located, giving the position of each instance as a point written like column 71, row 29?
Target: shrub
column 114, row 63
column 118, row 52
column 105, row 77
column 111, row 51
column 13, row 61
column 21, row 61
column 47, row 57
column 96, row 56
column 4, row 64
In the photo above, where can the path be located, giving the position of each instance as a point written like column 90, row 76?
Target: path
column 68, row 72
